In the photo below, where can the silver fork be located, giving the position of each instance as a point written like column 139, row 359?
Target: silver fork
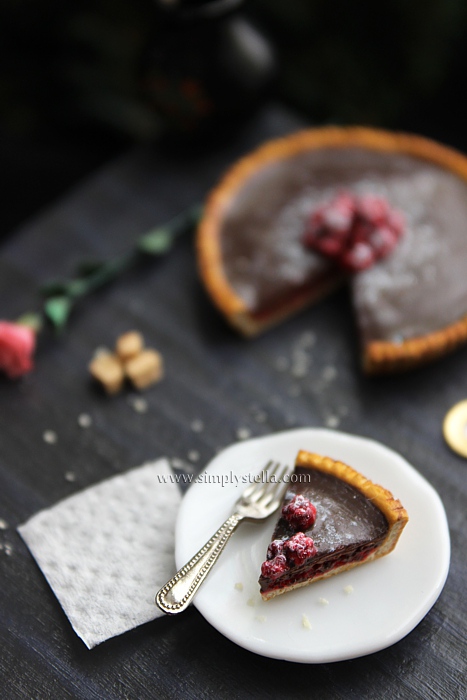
column 257, row 502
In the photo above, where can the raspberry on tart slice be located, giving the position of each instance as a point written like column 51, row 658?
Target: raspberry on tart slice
column 355, row 521
column 299, row 548
column 300, row 513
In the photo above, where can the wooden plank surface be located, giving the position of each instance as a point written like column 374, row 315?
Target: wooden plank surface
column 214, row 376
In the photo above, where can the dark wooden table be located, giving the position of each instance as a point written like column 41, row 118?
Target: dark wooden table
column 214, row 376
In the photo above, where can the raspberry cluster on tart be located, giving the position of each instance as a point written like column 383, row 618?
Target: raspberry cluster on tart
column 410, row 306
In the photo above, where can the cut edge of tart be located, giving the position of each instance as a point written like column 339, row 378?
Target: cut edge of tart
column 391, row 508
column 378, row 356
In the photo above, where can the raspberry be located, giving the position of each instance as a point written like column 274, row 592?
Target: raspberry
column 354, row 231
column 273, row 568
column 299, row 513
column 382, row 240
column 339, row 214
column 299, row 548
column 359, row 233
column 276, row 547
column 334, row 218
column 331, row 246
column 359, row 257
column 373, row 209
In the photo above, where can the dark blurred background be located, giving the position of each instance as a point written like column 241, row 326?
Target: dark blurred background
column 80, row 82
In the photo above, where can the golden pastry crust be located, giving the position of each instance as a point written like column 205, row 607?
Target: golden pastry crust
column 385, row 357
column 377, row 357
column 392, row 508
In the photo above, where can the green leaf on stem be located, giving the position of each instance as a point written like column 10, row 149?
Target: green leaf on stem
column 156, row 242
column 60, row 297
column 57, row 309
column 160, row 240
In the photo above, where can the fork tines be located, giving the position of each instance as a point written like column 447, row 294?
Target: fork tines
column 268, row 482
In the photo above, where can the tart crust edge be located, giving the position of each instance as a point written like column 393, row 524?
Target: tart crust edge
column 382, row 356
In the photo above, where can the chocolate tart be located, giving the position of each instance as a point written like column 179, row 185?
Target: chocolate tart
column 357, row 521
column 410, row 307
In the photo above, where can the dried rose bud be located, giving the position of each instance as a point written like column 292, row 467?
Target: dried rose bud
column 17, row 345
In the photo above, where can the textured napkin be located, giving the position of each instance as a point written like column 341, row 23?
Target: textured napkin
column 108, row 549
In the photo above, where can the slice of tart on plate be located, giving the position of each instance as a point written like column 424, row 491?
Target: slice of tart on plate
column 410, row 306
column 332, row 519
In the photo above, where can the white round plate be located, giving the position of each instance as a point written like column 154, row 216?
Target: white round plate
column 351, row 614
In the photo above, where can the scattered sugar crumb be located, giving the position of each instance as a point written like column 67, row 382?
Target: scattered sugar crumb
column 260, row 416
column 139, row 404
column 305, row 622
column 8, row 549
column 197, row 426
column 243, row 433
column 177, row 463
column 301, row 362
column 3, row 524
column 332, row 421
column 70, row 476
column 348, row 590
column 307, row 339
column 299, row 371
column 239, row 586
column 261, row 618
column 50, row 437
column 193, row 455
column 84, row 420
column 323, row 601
column 251, row 602
column 329, row 373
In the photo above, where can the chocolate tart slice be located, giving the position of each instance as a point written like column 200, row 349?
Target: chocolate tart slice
column 410, row 307
column 332, row 520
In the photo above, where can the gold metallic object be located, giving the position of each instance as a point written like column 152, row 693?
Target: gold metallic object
column 455, row 428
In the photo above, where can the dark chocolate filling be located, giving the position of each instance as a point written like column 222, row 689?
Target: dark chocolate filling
column 420, row 287
column 348, row 526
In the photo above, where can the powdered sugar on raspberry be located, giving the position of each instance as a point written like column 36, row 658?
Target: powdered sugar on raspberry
column 354, row 230
column 298, row 549
column 273, row 568
column 300, row 513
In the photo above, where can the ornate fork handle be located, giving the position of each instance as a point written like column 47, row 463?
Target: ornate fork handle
column 178, row 593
